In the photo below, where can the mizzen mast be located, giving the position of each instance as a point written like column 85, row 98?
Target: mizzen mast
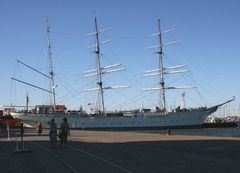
column 51, row 73
column 50, row 76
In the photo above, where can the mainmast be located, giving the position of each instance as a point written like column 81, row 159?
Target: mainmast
column 99, row 71
column 51, row 73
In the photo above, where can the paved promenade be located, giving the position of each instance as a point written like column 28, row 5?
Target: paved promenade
column 96, row 151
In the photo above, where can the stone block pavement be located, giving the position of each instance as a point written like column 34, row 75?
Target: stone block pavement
column 107, row 151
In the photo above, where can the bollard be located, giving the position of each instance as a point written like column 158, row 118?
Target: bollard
column 8, row 131
column 16, row 142
column 21, row 133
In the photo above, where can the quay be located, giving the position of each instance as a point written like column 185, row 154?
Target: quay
column 111, row 151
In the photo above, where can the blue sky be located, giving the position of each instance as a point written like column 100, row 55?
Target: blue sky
column 208, row 30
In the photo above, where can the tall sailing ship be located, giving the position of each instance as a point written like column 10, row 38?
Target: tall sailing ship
column 139, row 119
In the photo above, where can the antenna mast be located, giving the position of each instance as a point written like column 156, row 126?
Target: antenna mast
column 27, row 102
column 99, row 71
column 51, row 73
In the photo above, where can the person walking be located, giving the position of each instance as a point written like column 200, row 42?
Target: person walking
column 53, row 133
column 39, row 128
column 64, row 132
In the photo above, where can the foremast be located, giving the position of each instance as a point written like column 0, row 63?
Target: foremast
column 162, row 71
column 160, row 52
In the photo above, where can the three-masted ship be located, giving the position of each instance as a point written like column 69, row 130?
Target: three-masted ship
column 139, row 119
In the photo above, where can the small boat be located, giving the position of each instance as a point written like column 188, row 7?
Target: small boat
column 219, row 125
column 7, row 120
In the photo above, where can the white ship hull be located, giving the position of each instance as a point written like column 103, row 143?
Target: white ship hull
column 152, row 120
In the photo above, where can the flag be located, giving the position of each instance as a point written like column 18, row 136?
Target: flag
column 183, row 94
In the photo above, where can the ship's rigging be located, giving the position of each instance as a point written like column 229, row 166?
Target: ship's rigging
column 51, row 72
column 100, row 71
column 162, row 70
